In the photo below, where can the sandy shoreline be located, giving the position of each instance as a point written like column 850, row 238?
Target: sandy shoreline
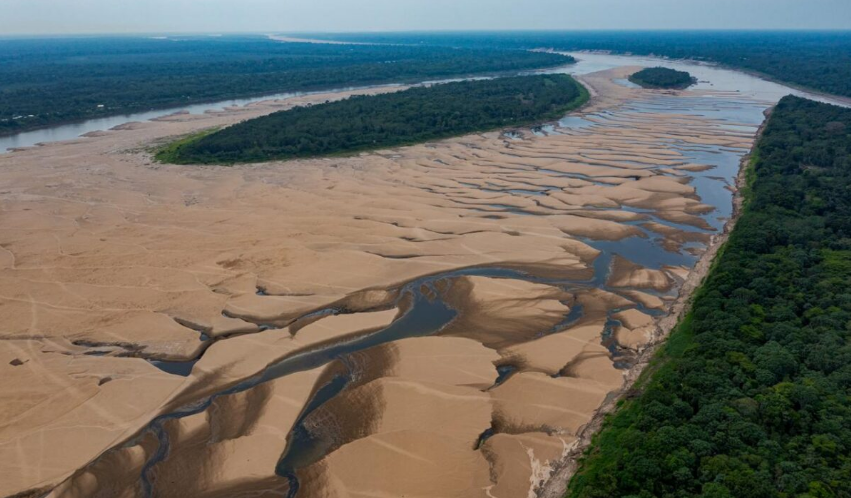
column 109, row 260
column 556, row 484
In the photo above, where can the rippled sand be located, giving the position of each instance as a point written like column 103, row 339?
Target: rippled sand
column 552, row 254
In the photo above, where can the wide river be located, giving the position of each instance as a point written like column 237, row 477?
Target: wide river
column 722, row 79
column 436, row 320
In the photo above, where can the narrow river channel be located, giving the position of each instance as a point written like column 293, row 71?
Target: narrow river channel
column 728, row 103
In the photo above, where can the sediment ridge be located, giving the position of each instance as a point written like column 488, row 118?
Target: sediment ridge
column 443, row 319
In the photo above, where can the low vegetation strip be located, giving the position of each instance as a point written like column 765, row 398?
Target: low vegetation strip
column 662, row 77
column 372, row 122
column 751, row 396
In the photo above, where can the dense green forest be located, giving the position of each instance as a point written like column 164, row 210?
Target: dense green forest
column 662, row 77
column 751, row 396
column 56, row 80
column 371, row 122
column 817, row 60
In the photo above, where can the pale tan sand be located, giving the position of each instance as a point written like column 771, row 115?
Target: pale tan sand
column 234, row 445
column 431, row 389
column 532, row 402
column 556, row 484
column 675, row 238
column 636, row 331
column 418, row 403
column 633, row 318
column 131, row 388
column 225, row 363
column 551, row 353
column 499, row 312
column 446, row 360
column 596, row 304
column 695, row 167
column 115, row 475
column 521, row 461
column 649, row 300
column 103, row 251
column 444, row 468
column 455, row 414
column 237, row 442
column 60, row 411
column 628, row 274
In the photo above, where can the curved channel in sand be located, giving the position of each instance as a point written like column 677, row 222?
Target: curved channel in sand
column 435, row 320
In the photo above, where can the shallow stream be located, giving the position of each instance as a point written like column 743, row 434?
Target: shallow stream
column 741, row 105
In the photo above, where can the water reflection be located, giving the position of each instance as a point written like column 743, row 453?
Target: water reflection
column 75, row 130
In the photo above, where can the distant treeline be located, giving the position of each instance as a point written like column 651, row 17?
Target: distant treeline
column 56, row 80
column 371, row 122
column 662, row 77
column 751, row 396
column 817, row 60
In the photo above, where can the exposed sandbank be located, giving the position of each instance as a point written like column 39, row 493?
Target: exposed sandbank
column 106, row 255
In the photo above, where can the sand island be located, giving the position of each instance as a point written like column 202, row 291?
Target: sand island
column 452, row 313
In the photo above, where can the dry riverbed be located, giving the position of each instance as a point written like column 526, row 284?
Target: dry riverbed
column 440, row 320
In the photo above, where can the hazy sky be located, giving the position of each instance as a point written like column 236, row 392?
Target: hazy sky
column 146, row 16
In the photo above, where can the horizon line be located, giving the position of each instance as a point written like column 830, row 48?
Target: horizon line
column 214, row 33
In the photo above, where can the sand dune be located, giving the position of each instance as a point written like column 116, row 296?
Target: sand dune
column 512, row 278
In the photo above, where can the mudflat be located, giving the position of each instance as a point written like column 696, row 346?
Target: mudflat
column 170, row 321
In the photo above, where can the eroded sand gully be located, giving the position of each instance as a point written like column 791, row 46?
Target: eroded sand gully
column 437, row 320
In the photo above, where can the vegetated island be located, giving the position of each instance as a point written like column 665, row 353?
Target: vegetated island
column 751, row 395
column 45, row 82
column 819, row 60
column 662, row 77
column 363, row 123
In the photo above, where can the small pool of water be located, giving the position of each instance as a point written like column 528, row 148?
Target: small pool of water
column 625, row 82
column 428, row 314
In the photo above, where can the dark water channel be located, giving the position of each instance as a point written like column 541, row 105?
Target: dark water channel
column 429, row 314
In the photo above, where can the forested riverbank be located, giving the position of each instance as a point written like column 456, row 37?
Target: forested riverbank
column 810, row 59
column 751, row 395
column 44, row 82
column 379, row 121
